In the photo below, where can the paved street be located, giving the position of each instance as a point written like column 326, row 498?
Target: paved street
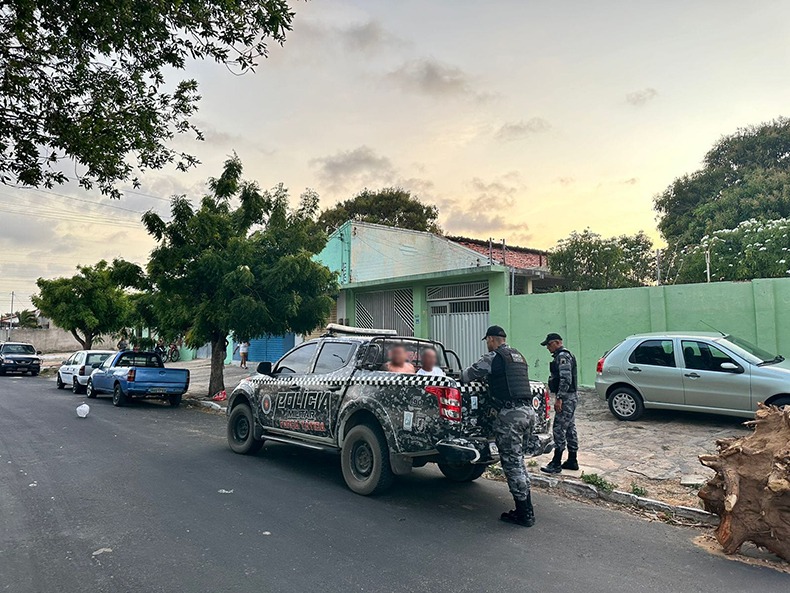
column 130, row 499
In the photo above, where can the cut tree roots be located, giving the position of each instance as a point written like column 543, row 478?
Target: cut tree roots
column 751, row 488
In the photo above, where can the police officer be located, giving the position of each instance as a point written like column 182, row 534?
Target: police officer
column 509, row 392
column 562, row 383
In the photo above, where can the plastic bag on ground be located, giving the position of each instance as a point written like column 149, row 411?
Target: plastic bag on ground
column 82, row 410
column 220, row 396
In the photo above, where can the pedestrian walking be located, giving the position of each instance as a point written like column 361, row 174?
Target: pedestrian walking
column 123, row 344
column 562, row 383
column 506, row 371
column 243, row 348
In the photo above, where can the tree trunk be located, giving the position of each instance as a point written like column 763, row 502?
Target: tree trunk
column 217, row 381
column 751, row 488
column 86, row 344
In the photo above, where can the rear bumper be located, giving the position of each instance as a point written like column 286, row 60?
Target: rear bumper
column 468, row 450
column 154, row 391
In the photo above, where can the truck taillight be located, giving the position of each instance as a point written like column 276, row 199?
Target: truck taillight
column 82, row 371
column 130, row 375
column 599, row 368
column 449, row 402
column 547, row 402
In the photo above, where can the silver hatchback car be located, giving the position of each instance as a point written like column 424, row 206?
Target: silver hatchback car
column 698, row 372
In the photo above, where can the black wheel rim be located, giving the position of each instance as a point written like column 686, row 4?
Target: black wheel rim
column 75, row 386
column 362, row 460
column 116, row 396
column 89, row 388
column 241, row 429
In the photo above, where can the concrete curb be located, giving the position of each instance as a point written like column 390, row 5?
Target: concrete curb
column 584, row 490
column 207, row 404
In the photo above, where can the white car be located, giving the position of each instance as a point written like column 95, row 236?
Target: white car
column 76, row 371
column 698, row 372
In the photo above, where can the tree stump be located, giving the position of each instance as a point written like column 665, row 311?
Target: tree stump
column 751, row 488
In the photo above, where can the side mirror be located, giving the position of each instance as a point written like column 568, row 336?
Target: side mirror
column 64, row 363
column 264, row 368
column 731, row 367
column 39, row 352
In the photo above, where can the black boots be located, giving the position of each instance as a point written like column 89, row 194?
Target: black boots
column 572, row 463
column 554, row 466
column 524, row 514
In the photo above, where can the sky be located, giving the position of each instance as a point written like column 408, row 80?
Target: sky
column 519, row 119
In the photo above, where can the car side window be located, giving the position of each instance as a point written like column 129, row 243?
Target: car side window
column 80, row 358
column 701, row 356
column 298, row 361
column 71, row 360
column 660, row 353
column 333, row 356
column 107, row 363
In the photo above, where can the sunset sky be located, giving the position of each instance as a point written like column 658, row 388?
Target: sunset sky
column 521, row 120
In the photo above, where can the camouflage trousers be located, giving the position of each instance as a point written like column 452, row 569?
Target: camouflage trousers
column 512, row 429
column 565, row 425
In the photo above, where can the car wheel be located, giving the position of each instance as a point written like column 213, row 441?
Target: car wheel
column 780, row 402
column 76, row 387
column 89, row 391
column 241, row 434
column 626, row 404
column 60, row 382
column 118, row 397
column 365, row 460
column 175, row 355
column 34, row 373
column 461, row 472
column 175, row 400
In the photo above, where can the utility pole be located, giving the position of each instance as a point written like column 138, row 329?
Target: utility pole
column 504, row 253
column 707, row 262
column 490, row 251
column 658, row 267
column 11, row 319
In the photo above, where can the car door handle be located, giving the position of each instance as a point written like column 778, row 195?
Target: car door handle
column 334, row 388
column 692, row 375
column 295, row 386
column 635, row 369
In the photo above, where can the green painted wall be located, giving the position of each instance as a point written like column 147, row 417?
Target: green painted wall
column 592, row 322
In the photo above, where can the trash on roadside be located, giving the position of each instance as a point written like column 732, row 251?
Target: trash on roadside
column 223, row 491
column 82, row 410
column 220, row 396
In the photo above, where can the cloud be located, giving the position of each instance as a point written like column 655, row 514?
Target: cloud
column 367, row 37
column 565, row 180
column 431, row 77
column 359, row 166
column 631, row 181
column 639, row 98
column 522, row 129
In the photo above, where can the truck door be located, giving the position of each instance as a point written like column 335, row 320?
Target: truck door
column 326, row 386
column 282, row 398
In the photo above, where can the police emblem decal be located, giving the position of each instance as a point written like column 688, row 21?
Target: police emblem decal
column 536, row 403
column 266, row 404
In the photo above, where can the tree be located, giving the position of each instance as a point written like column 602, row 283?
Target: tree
column 247, row 271
column 391, row 206
column 744, row 176
column 587, row 261
column 753, row 249
column 85, row 82
column 27, row 318
column 89, row 304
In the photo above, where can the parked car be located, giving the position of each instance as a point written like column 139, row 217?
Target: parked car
column 16, row 357
column 331, row 394
column 76, row 371
column 141, row 375
column 699, row 372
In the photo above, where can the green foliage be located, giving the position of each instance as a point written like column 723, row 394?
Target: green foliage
column 89, row 304
column 391, row 206
column 27, row 318
column 85, row 81
column 638, row 490
column 247, row 271
column 599, row 482
column 744, row 176
column 588, row 261
column 753, row 249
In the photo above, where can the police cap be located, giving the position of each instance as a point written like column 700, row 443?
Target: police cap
column 551, row 338
column 495, row 330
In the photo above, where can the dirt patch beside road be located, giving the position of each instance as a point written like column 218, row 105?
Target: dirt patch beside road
column 655, row 453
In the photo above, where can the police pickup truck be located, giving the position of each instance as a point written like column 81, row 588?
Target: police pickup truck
column 332, row 394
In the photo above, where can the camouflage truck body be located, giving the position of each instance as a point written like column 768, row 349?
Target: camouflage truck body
column 319, row 392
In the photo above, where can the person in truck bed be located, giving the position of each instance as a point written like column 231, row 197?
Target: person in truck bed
column 428, row 364
column 398, row 362
column 505, row 368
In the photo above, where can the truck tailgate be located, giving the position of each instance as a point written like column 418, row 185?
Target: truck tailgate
column 164, row 377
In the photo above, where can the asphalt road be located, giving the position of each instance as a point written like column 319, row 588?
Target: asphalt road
column 129, row 499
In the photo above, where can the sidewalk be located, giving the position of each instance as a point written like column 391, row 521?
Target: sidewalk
column 657, row 453
column 200, row 373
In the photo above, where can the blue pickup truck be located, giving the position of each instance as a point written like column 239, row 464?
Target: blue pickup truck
column 130, row 374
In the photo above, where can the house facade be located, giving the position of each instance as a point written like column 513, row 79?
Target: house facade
column 449, row 289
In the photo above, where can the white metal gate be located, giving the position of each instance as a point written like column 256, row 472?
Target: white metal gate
column 389, row 309
column 459, row 318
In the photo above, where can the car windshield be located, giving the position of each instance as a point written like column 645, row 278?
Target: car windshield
column 18, row 349
column 752, row 353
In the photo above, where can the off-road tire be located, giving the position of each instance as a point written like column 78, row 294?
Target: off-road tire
column 626, row 404
column 461, row 472
column 59, row 382
column 118, row 396
column 365, row 460
column 89, row 390
column 241, row 431
column 174, row 400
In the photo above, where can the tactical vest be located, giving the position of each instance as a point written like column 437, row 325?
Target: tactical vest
column 509, row 378
column 554, row 368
